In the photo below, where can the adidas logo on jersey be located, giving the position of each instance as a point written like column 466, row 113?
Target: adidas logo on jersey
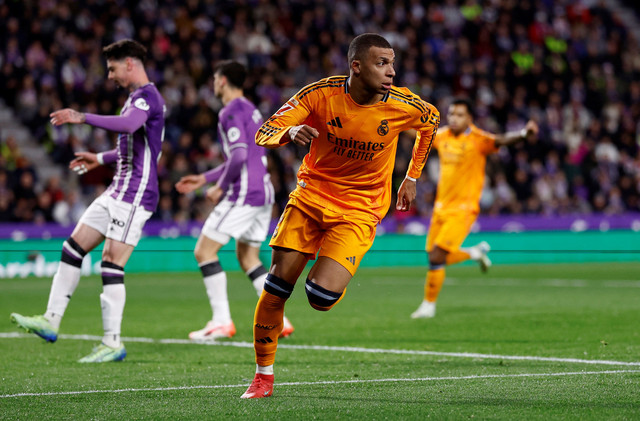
column 352, row 259
column 335, row 122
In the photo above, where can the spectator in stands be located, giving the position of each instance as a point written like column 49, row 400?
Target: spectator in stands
column 578, row 72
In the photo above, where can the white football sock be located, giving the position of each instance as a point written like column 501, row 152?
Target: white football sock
column 258, row 283
column 264, row 369
column 216, row 286
column 112, row 300
column 64, row 284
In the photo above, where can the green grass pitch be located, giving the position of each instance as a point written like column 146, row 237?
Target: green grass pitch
column 521, row 342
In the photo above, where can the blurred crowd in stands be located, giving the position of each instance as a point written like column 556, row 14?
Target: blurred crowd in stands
column 571, row 65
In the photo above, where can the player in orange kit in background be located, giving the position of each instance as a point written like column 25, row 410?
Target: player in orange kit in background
column 462, row 149
column 351, row 125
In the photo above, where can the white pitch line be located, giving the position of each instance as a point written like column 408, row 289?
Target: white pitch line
column 237, row 344
column 326, row 382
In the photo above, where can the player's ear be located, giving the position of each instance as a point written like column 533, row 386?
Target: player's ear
column 355, row 67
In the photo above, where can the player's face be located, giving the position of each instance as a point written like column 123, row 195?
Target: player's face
column 458, row 118
column 118, row 72
column 218, row 80
column 376, row 70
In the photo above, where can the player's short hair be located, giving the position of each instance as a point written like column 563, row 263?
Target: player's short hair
column 124, row 48
column 466, row 103
column 360, row 45
column 235, row 72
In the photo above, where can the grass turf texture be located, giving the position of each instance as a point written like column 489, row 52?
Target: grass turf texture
column 585, row 311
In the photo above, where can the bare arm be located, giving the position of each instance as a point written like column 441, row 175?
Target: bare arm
column 67, row 115
column 87, row 161
column 530, row 129
column 189, row 183
column 84, row 162
column 406, row 194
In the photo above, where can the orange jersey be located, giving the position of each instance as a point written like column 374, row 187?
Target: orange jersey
column 349, row 165
column 462, row 166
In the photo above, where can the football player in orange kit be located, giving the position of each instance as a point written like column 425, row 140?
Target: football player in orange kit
column 462, row 149
column 351, row 126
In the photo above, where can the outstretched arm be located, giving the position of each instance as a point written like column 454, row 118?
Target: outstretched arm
column 67, row 115
column 192, row 182
column 530, row 129
column 128, row 122
column 222, row 175
column 189, row 183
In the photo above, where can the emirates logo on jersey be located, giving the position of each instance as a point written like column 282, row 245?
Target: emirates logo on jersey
column 354, row 149
column 383, row 128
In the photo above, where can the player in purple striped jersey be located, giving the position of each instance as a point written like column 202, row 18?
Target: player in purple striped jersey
column 118, row 215
column 243, row 195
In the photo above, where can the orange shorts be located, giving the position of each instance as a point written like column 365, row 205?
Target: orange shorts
column 342, row 236
column 449, row 229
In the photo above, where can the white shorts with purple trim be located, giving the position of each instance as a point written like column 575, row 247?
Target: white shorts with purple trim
column 115, row 219
column 248, row 224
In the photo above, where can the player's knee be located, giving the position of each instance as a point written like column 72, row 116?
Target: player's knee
column 437, row 258
column 277, row 286
column 436, row 265
column 72, row 253
column 321, row 298
column 200, row 254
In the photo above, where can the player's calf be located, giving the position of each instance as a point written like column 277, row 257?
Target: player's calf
column 321, row 298
column 112, row 301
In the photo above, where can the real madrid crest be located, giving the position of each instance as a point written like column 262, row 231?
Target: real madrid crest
column 383, row 128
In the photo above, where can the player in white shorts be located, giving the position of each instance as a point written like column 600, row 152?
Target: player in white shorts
column 117, row 220
column 243, row 195
column 121, row 211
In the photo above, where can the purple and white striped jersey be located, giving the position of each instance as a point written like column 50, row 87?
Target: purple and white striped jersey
column 136, row 179
column 245, row 179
